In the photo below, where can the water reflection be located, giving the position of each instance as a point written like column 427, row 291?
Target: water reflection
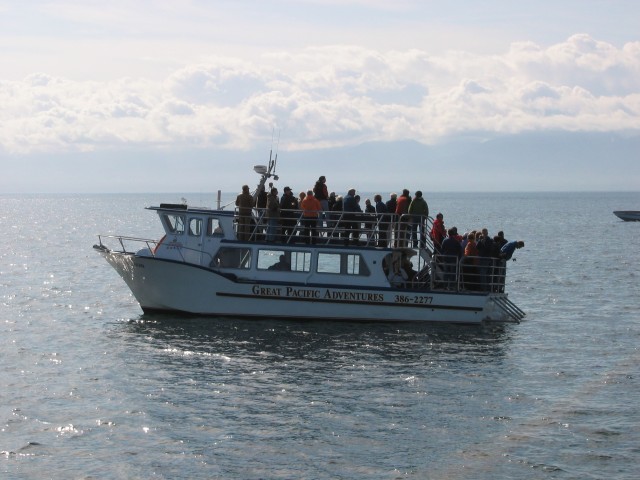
column 280, row 340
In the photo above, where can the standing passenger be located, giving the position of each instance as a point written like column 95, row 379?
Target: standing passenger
column 451, row 252
column 288, row 214
column 311, row 207
column 470, row 269
column 486, row 251
column 273, row 215
column 244, row 202
column 370, row 221
column 391, row 205
column 322, row 195
column 351, row 209
column 438, row 232
column 383, row 221
column 402, row 210
column 419, row 211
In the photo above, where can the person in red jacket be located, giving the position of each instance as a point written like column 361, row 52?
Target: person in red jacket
column 402, row 210
column 438, row 232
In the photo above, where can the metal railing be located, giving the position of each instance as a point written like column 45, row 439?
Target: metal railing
column 482, row 274
column 123, row 241
column 346, row 228
column 512, row 312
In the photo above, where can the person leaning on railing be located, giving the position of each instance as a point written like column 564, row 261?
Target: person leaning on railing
column 506, row 252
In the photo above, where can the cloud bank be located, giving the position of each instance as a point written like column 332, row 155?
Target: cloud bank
column 332, row 96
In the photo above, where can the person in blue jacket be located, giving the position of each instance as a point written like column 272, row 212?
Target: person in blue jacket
column 506, row 252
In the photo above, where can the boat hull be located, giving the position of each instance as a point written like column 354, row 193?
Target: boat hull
column 628, row 215
column 171, row 286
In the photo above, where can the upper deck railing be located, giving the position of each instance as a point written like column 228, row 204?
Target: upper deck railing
column 337, row 228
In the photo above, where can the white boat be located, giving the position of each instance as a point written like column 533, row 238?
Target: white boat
column 628, row 215
column 201, row 267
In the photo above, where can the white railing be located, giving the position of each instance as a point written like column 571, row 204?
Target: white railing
column 124, row 245
column 123, row 242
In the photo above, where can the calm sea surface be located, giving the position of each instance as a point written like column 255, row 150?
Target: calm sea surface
column 91, row 388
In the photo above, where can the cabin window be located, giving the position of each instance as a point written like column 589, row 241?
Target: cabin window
column 174, row 223
column 328, row 263
column 284, row 260
column 356, row 265
column 213, row 227
column 342, row 263
column 232, row 258
column 195, row 227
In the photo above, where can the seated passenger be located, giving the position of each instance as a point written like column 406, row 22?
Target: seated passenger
column 407, row 267
column 281, row 264
column 397, row 275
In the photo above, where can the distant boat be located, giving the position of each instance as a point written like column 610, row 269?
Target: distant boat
column 628, row 215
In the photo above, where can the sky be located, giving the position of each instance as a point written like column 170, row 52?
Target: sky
column 168, row 96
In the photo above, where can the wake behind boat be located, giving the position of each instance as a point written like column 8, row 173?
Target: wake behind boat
column 628, row 215
column 218, row 262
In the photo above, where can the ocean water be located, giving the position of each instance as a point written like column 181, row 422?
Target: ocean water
column 92, row 388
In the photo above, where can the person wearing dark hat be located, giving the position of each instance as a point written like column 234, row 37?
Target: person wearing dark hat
column 419, row 211
column 288, row 214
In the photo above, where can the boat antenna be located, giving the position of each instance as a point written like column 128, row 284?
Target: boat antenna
column 266, row 172
column 274, row 161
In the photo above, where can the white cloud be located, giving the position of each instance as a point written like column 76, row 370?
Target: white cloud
column 332, row 96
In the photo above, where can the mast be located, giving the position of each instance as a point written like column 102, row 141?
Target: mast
column 266, row 172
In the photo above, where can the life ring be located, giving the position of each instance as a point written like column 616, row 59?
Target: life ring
column 155, row 249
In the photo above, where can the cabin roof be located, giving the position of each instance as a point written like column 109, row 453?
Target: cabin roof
column 178, row 207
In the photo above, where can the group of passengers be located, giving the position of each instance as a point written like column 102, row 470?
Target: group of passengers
column 480, row 256
column 391, row 223
column 475, row 258
column 401, row 221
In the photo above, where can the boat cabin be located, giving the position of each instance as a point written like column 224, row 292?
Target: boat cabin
column 208, row 238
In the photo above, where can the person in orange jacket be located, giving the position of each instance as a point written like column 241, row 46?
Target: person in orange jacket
column 438, row 232
column 311, row 207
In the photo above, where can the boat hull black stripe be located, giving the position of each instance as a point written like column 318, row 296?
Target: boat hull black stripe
column 350, row 302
